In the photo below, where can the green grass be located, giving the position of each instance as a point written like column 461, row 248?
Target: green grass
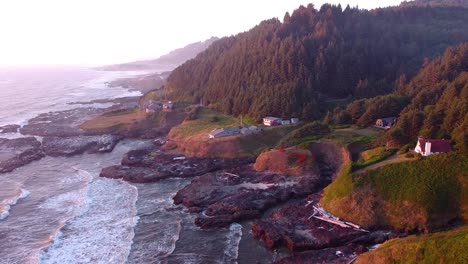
column 372, row 156
column 204, row 123
column 304, row 135
column 269, row 138
column 341, row 187
column 423, row 194
column 441, row 247
column 431, row 183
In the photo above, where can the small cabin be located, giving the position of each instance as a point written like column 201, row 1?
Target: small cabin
column 224, row 132
column 427, row 147
column 271, row 121
column 168, row 106
column 294, row 120
column 285, row 122
column 250, row 130
column 152, row 106
column 386, row 122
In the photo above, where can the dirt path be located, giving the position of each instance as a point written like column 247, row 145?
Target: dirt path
column 392, row 159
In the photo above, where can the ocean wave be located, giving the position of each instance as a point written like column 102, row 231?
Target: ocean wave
column 189, row 258
column 102, row 234
column 233, row 238
column 158, row 228
column 6, row 205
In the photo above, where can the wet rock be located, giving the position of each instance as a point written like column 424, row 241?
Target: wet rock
column 18, row 152
column 242, row 194
column 9, row 129
column 338, row 255
column 291, row 227
column 69, row 146
column 150, row 165
column 134, row 174
column 60, row 124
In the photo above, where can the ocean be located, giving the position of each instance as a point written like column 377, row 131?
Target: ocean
column 57, row 209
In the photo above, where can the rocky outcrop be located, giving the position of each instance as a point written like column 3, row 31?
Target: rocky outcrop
column 18, row 152
column 69, row 146
column 60, row 124
column 292, row 227
column 339, row 255
column 149, row 165
column 9, row 129
column 226, row 197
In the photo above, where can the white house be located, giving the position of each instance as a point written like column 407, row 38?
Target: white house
column 294, row 120
column 285, row 122
column 224, row 132
column 427, row 147
column 271, row 121
column 250, row 130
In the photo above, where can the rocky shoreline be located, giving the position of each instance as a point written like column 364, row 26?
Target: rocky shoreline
column 55, row 134
column 222, row 191
column 18, row 152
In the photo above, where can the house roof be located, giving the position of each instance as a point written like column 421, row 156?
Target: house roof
column 217, row 131
column 271, row 118
column 388, row 119
column 437, row 145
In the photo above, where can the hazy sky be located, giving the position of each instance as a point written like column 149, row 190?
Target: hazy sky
column 95, row 32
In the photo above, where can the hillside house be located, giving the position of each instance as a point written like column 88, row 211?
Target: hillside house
column 168, row 106
column 272, row 121
column 427, row 147
column 250, row 130
column 294, row 120
column 386, row 122
column 224, row 132
column 152, row 106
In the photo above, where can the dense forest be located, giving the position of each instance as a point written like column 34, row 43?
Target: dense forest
column 463, row 3
column 434, row 104
column 292, row 68
column 439, row 105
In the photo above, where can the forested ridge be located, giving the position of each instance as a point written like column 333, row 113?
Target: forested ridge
column 463, row 3
column 439, row 105
column 293, row 68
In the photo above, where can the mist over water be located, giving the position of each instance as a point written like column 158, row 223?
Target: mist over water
column 58, row 209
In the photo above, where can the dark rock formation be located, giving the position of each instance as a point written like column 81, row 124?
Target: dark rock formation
column 69, row 146
column 242, row 194
column 60, row 124
column 291, row 227
column 9, row 129
column 339, row 255
column 149, row 165
column 18, row 152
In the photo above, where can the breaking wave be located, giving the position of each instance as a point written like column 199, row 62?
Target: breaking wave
column 6, row 205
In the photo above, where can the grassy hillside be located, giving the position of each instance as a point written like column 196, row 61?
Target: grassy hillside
column 418, row 195
column 442, row 247
column 192, row 136
column 205, row 121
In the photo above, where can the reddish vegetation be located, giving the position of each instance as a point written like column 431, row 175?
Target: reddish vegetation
column 290, row 161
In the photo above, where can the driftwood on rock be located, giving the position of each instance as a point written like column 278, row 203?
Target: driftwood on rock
column 327, row 217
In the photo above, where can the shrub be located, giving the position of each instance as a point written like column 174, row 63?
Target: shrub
column 404, row 149
column 214, row 119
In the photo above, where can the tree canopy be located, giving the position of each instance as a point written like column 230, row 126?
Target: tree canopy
column 292, row 68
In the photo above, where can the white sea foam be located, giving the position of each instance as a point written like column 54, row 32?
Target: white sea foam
column 6, row 205
column 233, row 238
column 158, row 229
column 102, row 234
